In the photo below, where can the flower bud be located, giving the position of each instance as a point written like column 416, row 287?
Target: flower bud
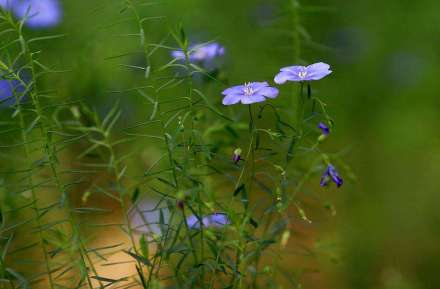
column 236, row 157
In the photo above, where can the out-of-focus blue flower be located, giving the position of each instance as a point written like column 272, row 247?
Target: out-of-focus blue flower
column 6, row 90
column 215, row 220
column 38, row 13
column 249, row 93
column 298, row 73
column 204, row 55
column 330, row 174
column 145, row 217
column 6, row 4
column 324, row 128
column 9, row 89
column 351, row 44
column 264, row 14
column 400, row 63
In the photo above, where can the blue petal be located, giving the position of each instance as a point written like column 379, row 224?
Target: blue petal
column 178, row 54
column 238, row 89
column 284, row 76
column 232, row 99
column 295, row 69
column 39, row 13
column 193, row 222
column 258, row 85
column 252, row 99
column 270, row 92
column 318, row 71
column 217, row 220
column 319, row 66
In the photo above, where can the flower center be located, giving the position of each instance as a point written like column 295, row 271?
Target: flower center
column 302, row 74
column 200, row 53
column 248, row 90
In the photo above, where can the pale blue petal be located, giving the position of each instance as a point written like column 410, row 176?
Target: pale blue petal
column 257, row 85
column 238, row 89
column 39, row 13
column 284, row 76
column 317, row 71
column 178, row 54
column 319, row 66
column 318, row 75
column 252, row 99
column 193, row 222
column 216, row 220
column 6, row 4
column 295, row 69
column 270, row 92
column 232, row 99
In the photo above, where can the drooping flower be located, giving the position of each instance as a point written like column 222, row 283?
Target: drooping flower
column 248, row 93
column 215, row 220
column 204, row 54
column 324, row 128
column 297, row 73
column 38, row 13
column 330, row 174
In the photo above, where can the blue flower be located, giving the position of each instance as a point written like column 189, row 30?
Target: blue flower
column 204, row 55
column 303, row 73
column 330, row 174
column 215, row 220
column 9, row 89
column 324, row 128
column 38, row 13
column 249, row 93
column 5, row 4
column 145, row 217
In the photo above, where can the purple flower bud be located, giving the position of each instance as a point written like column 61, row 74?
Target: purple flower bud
column 324, row 128
column 248, row 93
column 215, row 220
column 297, row 73
column 236, row 157
column 181, row 204
column 330, row 174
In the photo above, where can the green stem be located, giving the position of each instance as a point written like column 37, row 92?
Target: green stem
column 300, row 111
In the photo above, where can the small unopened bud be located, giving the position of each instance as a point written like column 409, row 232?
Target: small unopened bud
column 180, row 204
column 236, row 157
column 180, row 200
column 324, row 128
column 285, row 238
column 75, row 111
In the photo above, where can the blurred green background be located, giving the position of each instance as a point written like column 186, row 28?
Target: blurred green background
column 383, row 96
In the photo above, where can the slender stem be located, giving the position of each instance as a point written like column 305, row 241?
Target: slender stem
column 249, row 150
column 33, row 94
column 252, row 131
column 50, row 151
column 300, row 111
column 121, row 191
